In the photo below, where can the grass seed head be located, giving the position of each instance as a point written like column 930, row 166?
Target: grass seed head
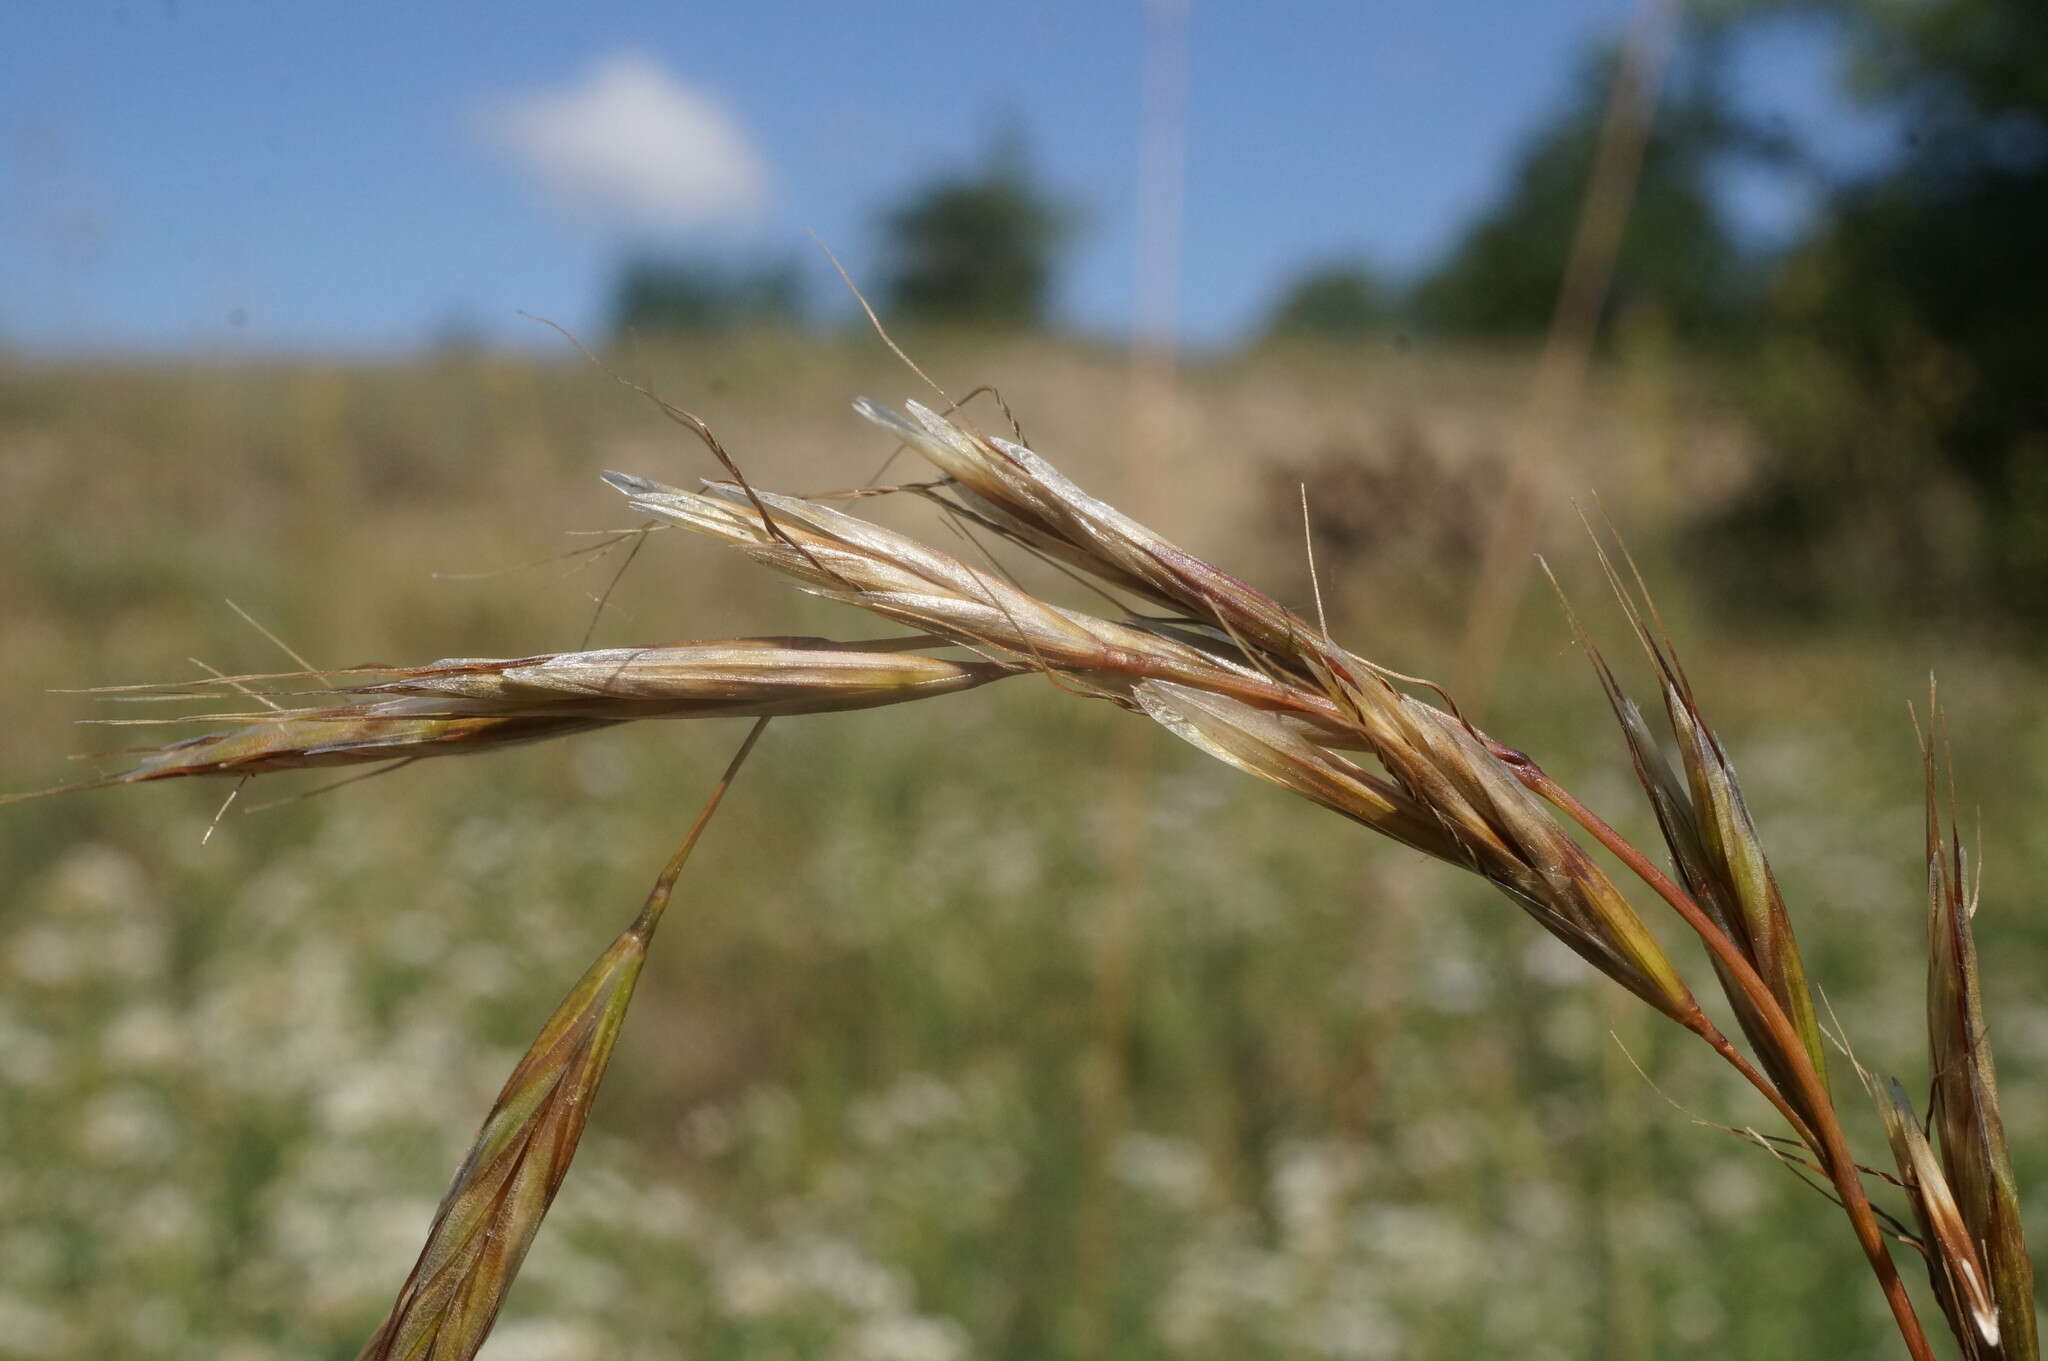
column 1251, row 683
column 1735, row 872
column 465, row 705
column 493, row 1209
column 1960, row 1280
column 1031, row 501
column 1714, row 844
column 850, row 560
column 1262, row 744
column 1966, row 1115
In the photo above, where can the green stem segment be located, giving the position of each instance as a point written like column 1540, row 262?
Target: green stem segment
column 664, row 884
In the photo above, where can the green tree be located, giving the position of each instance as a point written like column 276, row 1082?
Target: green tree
column 673, row 295
column 1501, row 277
column 976, row 249
column 1914, row 445
column 1341, row 300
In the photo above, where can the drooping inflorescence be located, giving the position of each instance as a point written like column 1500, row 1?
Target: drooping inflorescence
column 1252, row 683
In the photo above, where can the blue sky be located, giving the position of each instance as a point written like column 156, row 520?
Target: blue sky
column 236, row 175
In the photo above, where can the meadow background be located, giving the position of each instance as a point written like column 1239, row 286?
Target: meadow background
column 946, row 1054
column 1003, row 1025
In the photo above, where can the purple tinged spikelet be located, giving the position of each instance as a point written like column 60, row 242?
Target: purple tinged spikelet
column 494, row 1207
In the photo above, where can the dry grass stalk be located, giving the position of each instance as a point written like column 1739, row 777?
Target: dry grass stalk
column 493, row 1209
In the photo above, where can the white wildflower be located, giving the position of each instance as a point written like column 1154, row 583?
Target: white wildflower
column 1174, row 1170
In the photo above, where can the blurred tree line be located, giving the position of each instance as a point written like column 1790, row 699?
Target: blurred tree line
column 663, row 295
column 977, row 248
column 1895, row 358
column 1902, row 367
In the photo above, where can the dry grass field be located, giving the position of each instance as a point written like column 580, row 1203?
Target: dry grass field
column 977, row 1029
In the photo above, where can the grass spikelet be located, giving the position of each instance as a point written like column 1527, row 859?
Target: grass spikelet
column 1036, row 505
column 1965, row 1111
column 844, row 558
column 466, row 705
column 1469, row 813
column 1261, row 744
column 1506, row 835
column 1713, row 840
column 317, row 739
column 1733, row 868
column 494, row 1207
column 1024, row 497
column 1960, row 1281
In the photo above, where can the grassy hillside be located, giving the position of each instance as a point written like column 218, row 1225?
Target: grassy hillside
column 998, row 1026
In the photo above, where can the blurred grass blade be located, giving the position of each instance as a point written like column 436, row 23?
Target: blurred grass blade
column 495, row 1205
column 1966, row 1114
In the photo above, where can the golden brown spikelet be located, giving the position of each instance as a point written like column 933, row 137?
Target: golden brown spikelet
column 847, row 559
column 1262, row 744
column 1027, row 499
column 464, row 705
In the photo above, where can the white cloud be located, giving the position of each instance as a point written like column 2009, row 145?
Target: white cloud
column 628, row 146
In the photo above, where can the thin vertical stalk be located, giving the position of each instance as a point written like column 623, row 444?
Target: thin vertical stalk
column 1162, row 147
column 1561, row 366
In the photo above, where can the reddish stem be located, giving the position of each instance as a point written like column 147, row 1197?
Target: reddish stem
column 1832, row 1147
column 1711, row 1033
